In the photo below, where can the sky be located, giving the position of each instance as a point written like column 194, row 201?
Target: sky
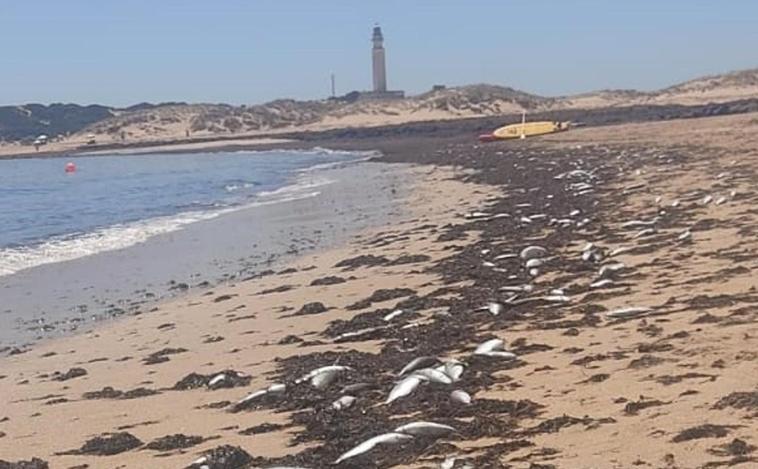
column 245, row 52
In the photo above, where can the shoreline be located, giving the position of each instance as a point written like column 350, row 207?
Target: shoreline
column 675, row 378
column 197, row 257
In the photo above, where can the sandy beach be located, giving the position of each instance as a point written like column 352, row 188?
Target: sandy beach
column 633, row 326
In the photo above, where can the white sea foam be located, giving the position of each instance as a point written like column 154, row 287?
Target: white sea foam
column 236, row 187
column 60, row 249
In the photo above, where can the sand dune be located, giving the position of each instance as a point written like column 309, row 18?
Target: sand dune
column 172, row 122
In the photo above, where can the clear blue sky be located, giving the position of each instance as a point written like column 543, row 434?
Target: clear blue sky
column 244, row 52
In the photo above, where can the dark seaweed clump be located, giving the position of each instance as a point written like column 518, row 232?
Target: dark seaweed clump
column 224, row 457
column 172, row 442
column 108, row 445
column 70, row 374
column 34, row 463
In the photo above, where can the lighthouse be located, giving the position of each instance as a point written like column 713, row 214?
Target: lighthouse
column 377, row 56
column 379, row 71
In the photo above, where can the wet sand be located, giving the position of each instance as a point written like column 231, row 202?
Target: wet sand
column 672, row 385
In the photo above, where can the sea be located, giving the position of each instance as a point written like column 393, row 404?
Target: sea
column 49, row 215
column 98, row 241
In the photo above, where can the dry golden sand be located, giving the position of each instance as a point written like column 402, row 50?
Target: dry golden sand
column 643, row 380
column 249, row 345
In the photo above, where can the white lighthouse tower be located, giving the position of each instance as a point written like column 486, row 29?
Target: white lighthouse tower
column 377, row 56
column 379, row 71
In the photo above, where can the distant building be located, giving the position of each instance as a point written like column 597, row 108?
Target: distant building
column 438, row 87
column 379, row 71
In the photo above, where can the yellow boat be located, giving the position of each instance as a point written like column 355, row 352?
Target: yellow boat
column 529, row 129
column 525, row 129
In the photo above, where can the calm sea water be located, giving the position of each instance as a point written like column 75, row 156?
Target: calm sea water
column 112, row 202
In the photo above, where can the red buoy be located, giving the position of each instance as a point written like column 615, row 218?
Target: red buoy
column 70, row 167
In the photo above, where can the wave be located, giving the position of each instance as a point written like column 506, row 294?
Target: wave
column 236, row 186
column 121, row 236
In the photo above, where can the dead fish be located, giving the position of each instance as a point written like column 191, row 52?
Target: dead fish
column 645, row 232
column 601, row 283
column 620, row 250
column 579, row 186
column 448, row 463
column 454, row 369
column 419, row 363
column 488, row 264
column 356, row 388
column 628, row 312
column 461, row 397
column 532, row 252
column 477, row 215
column 639, row 223
column 489, row 346
column 216, row 380
column 348, row 335
column 500, row 354
column 343, row 402
column 685, row 236
column 253, row 396
column 495, row 308
column 393, row 315
column 322, row 377
column 273, row 389
column 720, row 200
column 433, row 375
column 517, row 288
column 425, row 429
column 533, row 263
column 505, row 256
column 368, row 445
column 707, row 199
column 610, row 270
column 276, row 388
column 638, row 185
column 557, row 298
column 405, row 387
